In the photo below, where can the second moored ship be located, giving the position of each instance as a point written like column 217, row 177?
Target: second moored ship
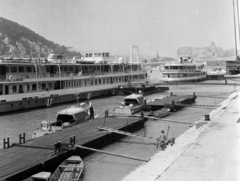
column 182, row 71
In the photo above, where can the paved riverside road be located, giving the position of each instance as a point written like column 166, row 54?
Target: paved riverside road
column 209, row 151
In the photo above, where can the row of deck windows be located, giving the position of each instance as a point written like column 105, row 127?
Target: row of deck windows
column 182, row 75
column 105, row 68
column 31, row 87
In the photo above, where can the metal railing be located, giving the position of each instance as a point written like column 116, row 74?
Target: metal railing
column 20, row 77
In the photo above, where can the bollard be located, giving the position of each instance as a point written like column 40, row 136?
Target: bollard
column 59, row 146
column 71, row 141
column 6, row 143
column 207, row 118
column 55, row 147
column 22, row 138
column 74, row 139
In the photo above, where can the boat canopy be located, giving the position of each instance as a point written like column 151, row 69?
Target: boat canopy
column 71, row 114
column 133, row 99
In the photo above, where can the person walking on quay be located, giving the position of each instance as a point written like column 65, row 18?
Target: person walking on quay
column 161, row 141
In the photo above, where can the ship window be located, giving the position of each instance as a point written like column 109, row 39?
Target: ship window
column 71, row 69
column 96, row 82
column 7, row 69
column 106, row 54
column 28, row 87
column 14, row 88
column 21, row 69
column 43, row 86
column 34, row 87
column 65, row 68
column 90, row 55
column 95, row 54
column 29, row 69
column 99, row 55
column 69, row 84
column 13, row 69
column 86, row 55
column 50, row 85
column 100, row 81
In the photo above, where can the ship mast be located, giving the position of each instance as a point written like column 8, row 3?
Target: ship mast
column 235, row 28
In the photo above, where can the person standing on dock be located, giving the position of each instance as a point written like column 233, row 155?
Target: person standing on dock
column 161, row 141
column 91, row 110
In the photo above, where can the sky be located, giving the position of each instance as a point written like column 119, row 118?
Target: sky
column 154, row 26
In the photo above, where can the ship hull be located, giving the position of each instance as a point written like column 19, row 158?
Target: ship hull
column 54, row 99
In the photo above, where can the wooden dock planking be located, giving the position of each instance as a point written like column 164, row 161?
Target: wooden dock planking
column 17, row 159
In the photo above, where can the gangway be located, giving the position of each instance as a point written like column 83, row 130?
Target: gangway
column 124, row 133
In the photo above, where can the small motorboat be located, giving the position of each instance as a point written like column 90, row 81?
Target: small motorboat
column 64, row 119
column 70, row 169
column 159, row 113
column 131, row 105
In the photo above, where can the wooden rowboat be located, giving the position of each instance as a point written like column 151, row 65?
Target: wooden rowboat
column 69, row 170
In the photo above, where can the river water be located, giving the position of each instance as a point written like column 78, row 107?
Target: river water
column 104, row 167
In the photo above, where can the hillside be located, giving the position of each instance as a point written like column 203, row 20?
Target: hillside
column 19, row 41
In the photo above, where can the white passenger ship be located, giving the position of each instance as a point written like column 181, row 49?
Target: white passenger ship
column 28, row 83
column 183, row 70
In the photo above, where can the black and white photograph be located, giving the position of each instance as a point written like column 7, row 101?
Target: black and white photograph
column 119, row 90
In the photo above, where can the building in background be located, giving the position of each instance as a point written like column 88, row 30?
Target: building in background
column 209, row 52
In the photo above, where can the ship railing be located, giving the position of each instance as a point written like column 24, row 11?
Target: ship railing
column 19, row 77
column 190, row 70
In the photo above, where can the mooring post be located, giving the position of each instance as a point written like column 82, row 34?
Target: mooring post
column 74, row 139
column 24, row 138
column 55, row 147
column 59, row 146
column 20, row 138
column 106, row 115
column 6, row 143
column 71, row 141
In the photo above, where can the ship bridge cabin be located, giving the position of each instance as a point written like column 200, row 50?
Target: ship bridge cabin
column 32, row 75
column 96, row 57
